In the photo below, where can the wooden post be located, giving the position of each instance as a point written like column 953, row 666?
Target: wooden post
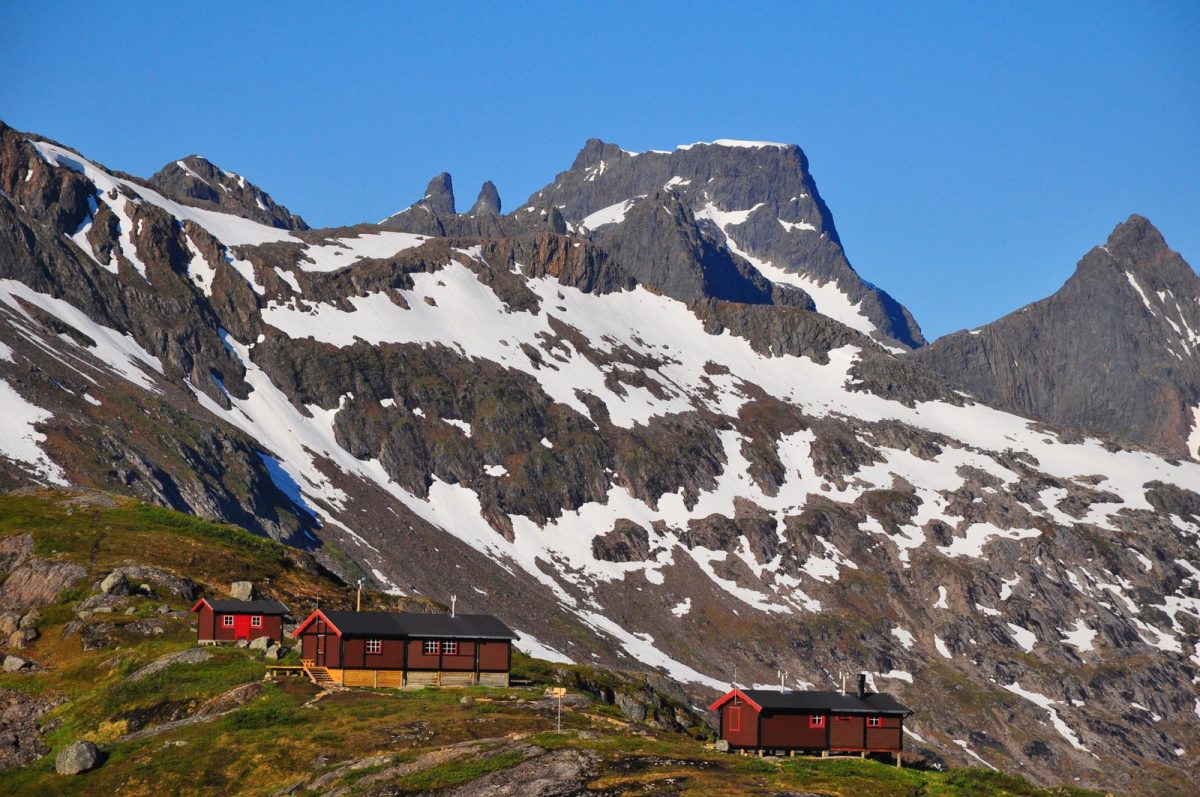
column 791, row 753
column 760, row 752
column 863, row 755
column 824, row 754
column 375, row 675
column 898, row 764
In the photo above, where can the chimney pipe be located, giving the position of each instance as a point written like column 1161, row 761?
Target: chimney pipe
column 862, row 685
column 453, row 600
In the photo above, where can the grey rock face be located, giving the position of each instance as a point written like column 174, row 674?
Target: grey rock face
column 78, row 757
column 196, row 181
column 1115, row 351
column 241, row 591
column 661, row 246
column 261, row 643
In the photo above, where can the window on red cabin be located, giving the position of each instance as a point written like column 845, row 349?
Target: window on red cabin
column 735, row 718
column 256, row 621
column 431, row 648
column 450, row 648
column 816, row 721
column 843, row 717
column 874, row 722
column 374, row 645
column 227, row 620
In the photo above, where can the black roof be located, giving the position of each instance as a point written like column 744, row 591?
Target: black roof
column 413, row 624
column 248, row 607
column 833, row 702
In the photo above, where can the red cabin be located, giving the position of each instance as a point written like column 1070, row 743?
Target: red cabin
column 763, row 719
column 399, row 649
column 229, row 621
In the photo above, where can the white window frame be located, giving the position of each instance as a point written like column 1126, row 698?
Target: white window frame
column 374, row 646
column 256, row 621
column 227, row 620
column 450, row 648
column 431, row 648
column 874, row 722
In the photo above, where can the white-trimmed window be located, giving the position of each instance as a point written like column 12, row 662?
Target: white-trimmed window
column 450, row 648
column 374, row 646
column 874, row 722
column 227, row 619
column 256, row 621
column 431, row 648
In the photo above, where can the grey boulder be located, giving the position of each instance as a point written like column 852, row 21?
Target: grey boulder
column 76, row 758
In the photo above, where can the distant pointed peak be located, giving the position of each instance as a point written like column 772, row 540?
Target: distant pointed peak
column 439, row 194
column 488, row 202
column 1136, row 243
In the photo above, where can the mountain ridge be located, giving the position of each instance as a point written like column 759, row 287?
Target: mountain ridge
column 698, row 486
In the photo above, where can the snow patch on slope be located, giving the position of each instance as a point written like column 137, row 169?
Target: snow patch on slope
column 20, row 440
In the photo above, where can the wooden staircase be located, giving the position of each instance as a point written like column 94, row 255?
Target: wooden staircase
column 318, row 675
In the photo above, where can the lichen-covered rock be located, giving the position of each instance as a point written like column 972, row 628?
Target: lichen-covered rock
column 145, row 576
column 37, row 582
column 14, row 664
column 21, row 734
column 241, row 591
column 77, row 757
column 188, row 656
column 15, row 550
column 115, row 583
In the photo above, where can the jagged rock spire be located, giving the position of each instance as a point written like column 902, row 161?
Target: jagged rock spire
column 439, row 194
column 488, row 202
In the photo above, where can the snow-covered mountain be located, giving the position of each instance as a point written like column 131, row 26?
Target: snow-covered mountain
column 715, row 460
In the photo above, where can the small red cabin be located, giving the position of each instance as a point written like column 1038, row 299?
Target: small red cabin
column 763, row 719
column 407, row 649
column 229, row 621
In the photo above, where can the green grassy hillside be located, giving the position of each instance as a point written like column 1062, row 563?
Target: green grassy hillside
column 218, row 727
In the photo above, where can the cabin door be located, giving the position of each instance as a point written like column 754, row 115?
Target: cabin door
column 320, row 650
column 241, row 626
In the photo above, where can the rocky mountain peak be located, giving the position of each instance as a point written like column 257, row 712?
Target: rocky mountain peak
column 1136, row 243
column 439, row 194
column 488, row 202
column 1115, row 351
column 195, row 180
column 596, row 151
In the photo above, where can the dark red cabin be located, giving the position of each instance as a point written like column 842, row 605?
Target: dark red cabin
column 407, row 649
column 763, row 719
column 229, row 621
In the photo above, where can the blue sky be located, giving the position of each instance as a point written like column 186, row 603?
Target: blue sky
column 970, row 153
